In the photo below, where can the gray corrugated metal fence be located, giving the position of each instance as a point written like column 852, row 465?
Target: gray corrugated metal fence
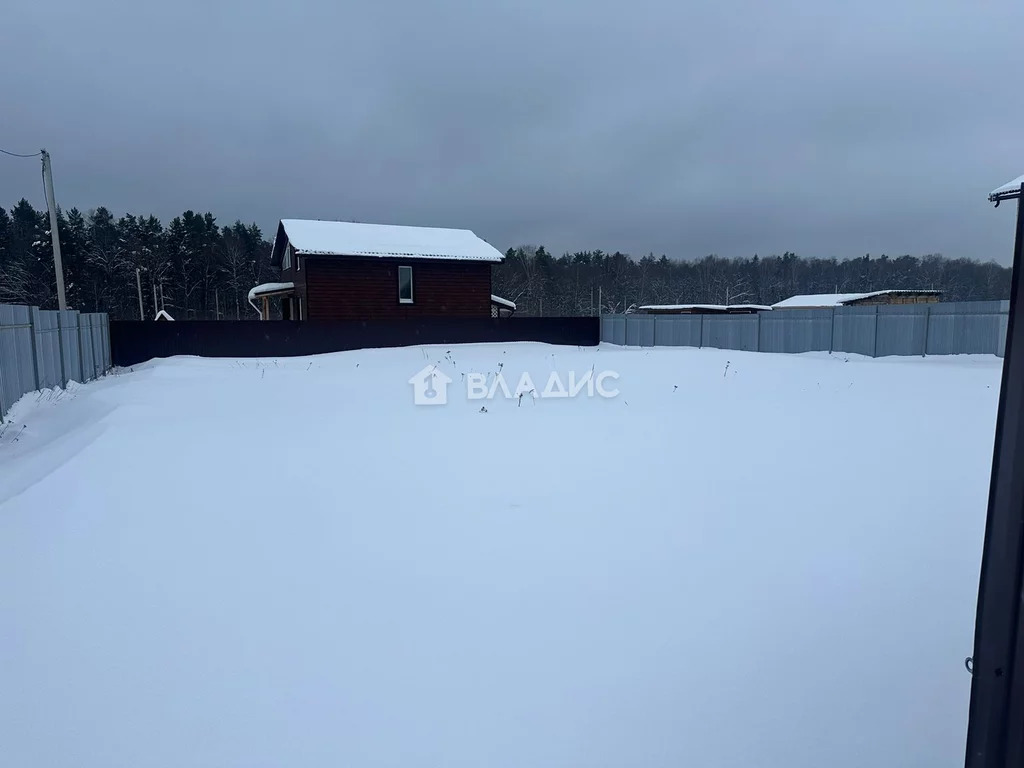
column 952, row 328
column 46, row 348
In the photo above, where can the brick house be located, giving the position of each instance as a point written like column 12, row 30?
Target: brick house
column 337, row 270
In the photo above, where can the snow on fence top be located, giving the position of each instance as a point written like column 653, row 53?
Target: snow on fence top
column 502, row 302
column 344, row 238
column 840, row 299
column 1008, row 190
column 264, row 289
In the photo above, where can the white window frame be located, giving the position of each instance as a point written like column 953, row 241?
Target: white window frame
column 412, row 289
column 286, row 257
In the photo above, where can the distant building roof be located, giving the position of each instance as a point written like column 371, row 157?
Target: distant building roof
column 841, row 299
column 345, row 238
column 502, row 302
column 704, row 308
column 1008, row 190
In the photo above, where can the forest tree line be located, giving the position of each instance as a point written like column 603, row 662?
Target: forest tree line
column 588, row 281
column 192, row 267
column 197, row 269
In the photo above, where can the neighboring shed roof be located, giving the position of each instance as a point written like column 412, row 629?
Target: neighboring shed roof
column 840, row 299
column 345, row 238
column 705, row 307
column 1008, row 190
column 502, row 302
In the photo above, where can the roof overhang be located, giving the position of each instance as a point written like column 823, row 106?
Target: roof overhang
column 265, row 290
column 1009, row 191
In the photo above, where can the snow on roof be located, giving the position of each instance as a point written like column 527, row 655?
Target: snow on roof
column 708, row 307
column 266, row 288
column 345, row 238
column 162, row 315
column 820, row 300
column 838, row 299
column 502, row 302
column 1010, row 189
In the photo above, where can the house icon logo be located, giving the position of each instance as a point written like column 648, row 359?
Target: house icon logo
column 430, row 386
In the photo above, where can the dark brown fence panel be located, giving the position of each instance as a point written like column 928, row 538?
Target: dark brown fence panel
column 134, row 342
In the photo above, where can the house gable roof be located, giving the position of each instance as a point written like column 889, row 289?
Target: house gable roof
column 1009, row 190
column 345, row 238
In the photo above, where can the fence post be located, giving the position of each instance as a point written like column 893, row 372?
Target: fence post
column 81, row 355
column 60, row 349
column 97, row 344
column 874, row 344
column 832, row 332
column 81, row 349
column 927, row 323
column 33, row 329
column 700, row 343
column 108, row 363
column 757, row 337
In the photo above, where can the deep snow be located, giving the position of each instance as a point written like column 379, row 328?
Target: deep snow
column 741, row 560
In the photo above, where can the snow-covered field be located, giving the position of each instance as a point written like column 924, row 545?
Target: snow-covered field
column 740, row 560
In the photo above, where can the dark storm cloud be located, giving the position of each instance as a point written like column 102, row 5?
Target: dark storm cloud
column 685, row 129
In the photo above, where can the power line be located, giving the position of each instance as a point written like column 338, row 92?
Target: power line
column 16, row 154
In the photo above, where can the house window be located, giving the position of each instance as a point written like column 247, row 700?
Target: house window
column 286, row 258
column 405, row 285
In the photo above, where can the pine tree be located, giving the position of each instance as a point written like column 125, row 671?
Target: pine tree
column 73, row 240
column 14, row 276
column 30, row 276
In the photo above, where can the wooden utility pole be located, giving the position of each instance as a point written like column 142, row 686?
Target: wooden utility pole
column 138, row 284
column 58, row 266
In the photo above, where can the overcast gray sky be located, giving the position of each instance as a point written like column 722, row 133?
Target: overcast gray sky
column 717, row 126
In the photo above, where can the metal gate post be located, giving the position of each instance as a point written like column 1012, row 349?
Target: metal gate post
column 995, row 728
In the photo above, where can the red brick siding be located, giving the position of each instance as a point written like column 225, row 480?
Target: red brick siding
column 346, row 288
